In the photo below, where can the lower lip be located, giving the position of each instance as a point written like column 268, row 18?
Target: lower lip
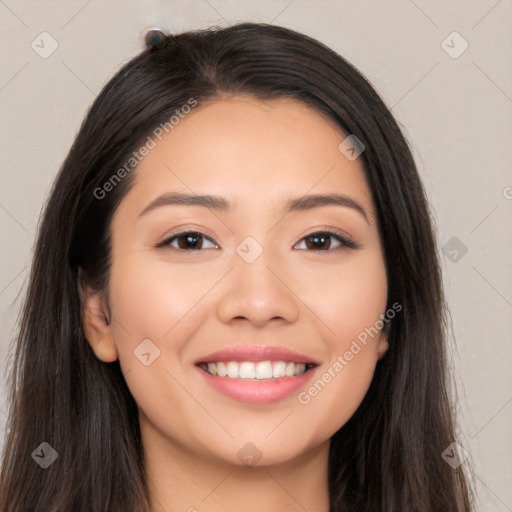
column 253, row 392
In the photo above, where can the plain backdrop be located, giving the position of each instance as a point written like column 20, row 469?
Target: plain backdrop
column 445, row 69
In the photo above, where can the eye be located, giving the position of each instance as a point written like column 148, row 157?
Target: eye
column 195, row 241
column 187, row 241
column 323, row 241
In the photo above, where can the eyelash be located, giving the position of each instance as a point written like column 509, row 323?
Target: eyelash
column 343, row 240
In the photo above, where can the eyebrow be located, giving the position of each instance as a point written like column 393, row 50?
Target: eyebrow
column 219, row 203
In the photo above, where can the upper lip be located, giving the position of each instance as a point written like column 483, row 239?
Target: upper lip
column 257, row 353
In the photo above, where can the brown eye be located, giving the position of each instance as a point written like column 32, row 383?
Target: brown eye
column 187, row 241
column 323, row 241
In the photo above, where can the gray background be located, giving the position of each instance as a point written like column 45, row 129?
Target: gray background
column 456, row 113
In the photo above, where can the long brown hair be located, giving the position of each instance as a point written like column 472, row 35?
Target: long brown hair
column 388, row 457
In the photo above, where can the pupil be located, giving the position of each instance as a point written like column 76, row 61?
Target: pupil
column 319, row 241
column 191, row 241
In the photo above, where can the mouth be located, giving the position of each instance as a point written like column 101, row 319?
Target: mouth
column 255, row 370
column 256, row 374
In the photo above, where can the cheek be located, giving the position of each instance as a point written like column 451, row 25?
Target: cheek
column 152, row 299
column 335, row 394
column 348, row 304
column 347, row 299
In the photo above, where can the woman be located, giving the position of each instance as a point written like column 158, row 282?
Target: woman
column 235, row 298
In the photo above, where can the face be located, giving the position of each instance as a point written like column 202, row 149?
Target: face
column 268, row 280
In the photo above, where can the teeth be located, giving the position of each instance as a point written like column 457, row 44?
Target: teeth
column 221, row 369
column 232, row 367
column 279, row 369
column 247, row 371
column 262, row 370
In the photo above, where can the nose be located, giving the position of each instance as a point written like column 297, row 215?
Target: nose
column 258, row 292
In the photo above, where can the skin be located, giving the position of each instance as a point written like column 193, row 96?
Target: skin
column 256, row 154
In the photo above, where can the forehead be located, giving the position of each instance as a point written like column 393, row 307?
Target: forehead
column 251, row 151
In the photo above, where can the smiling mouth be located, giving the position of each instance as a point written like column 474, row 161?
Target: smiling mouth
column 255, row 371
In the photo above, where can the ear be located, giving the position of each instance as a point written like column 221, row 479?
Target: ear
column 383, row 344
column 97, row 328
